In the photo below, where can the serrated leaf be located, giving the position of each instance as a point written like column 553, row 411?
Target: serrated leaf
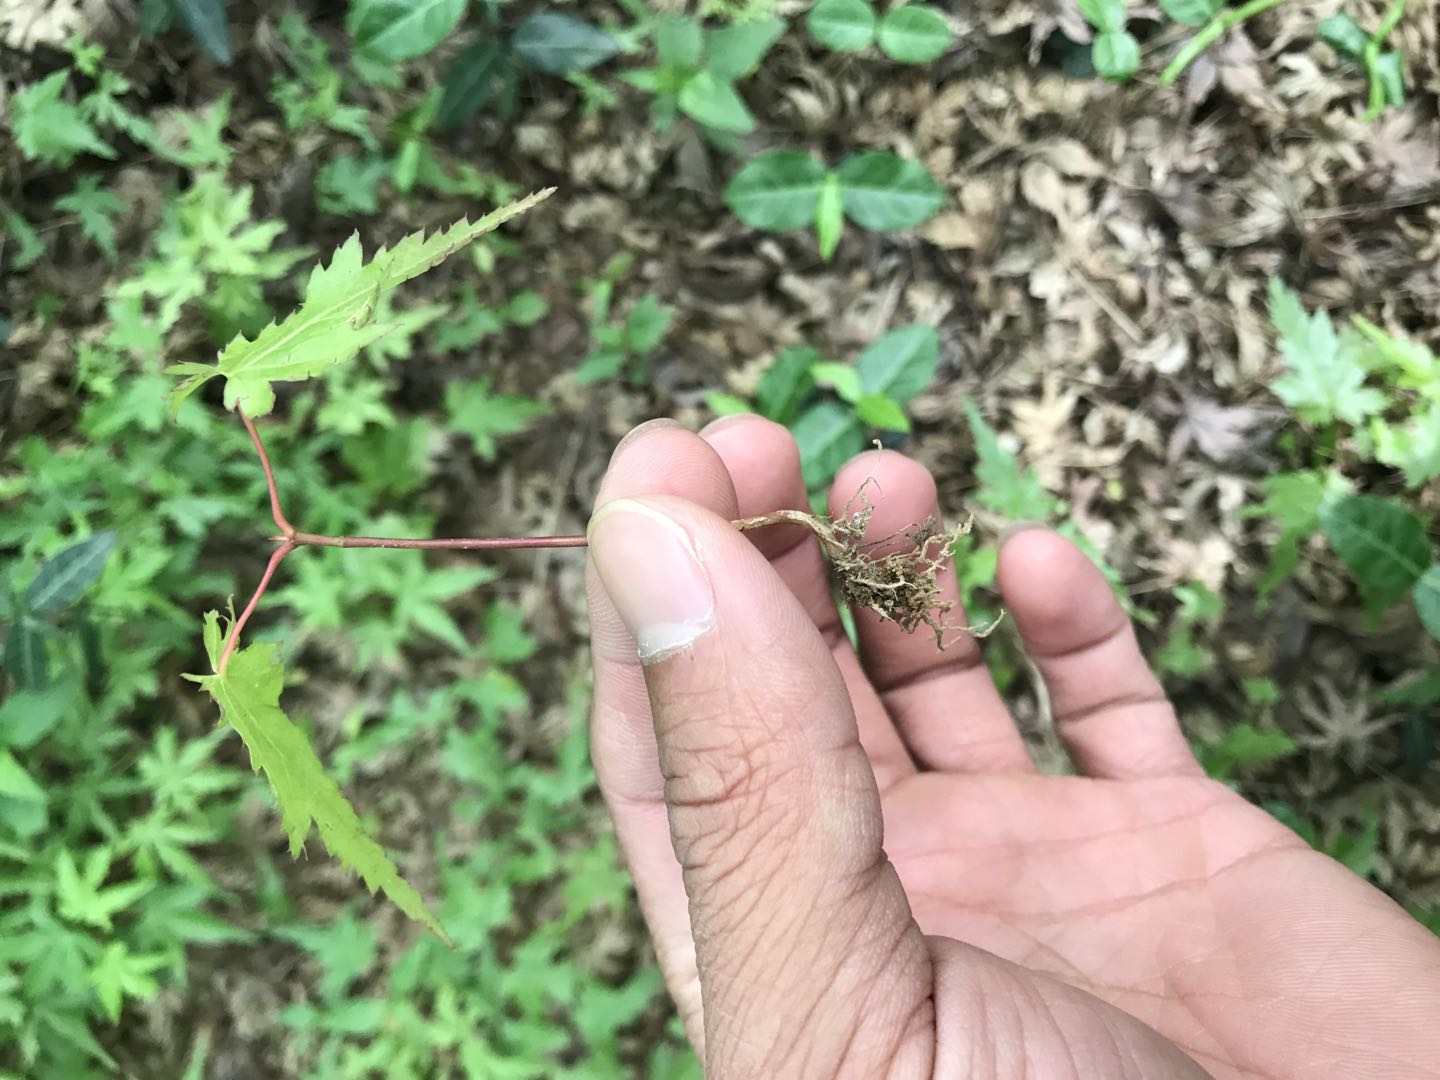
column 1293, row 501
column 786, row 384
column 1005, row 487
column 65, row 575
column 334, row 322
column 884, row 192
column 734, row 52
column 914, row 34
column 1383, row 545
column 248, row 695
column 828, row 435
column 48, row 128
column 94, row 207
column 401, row 29
column 556, row 43
column 900, row 363
column 1426, row 595
column 1325, row 376
column 842, row 25
column 484, row 416
column 777, row 191
column 1191, row 12
column 1413, row 448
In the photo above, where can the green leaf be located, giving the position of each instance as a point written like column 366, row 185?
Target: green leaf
column 94, row 207
column 884, row 192
column 1414, row 448
column 914, row 34
column 722, row 404
column 777, row 191
column 735, row 51
column 485, row 417
column 401, row 29
column 1382, row 543
column 1244, row 744
column 1107, row 16
column 842, row 25
column 470, row 83
column 1014, row 493
column 48, row 128
column 829, row 216
column 1343, row 34
column 786, row 384
column 679, row 42
column 881, row 412
column 1418, row 367
column 27, row 716
column 248, row 695
column 1426, row 595
column 714, row 103
column 1191, row 12
column 900, row 364
column 31, row 246
column 1116, row 55
column 335, row 321
column 1325, row 376
column 65, row 575
column 16, row 783
column 840, row 378
column 1293, row 501
column 205, row 19
column 1389, row 71
column 118, row 975
column 647, row 325
column 828, row 435
column 26, row 657
column 557, row 44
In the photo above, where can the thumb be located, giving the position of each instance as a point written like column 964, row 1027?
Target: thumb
column 809, row 960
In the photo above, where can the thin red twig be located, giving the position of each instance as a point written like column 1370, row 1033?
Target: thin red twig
column 468, row 543
column 276, row 511
column 234, row 639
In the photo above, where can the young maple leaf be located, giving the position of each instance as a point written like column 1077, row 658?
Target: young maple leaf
column 1325, row 376
column 337, row 317
column 249, row 698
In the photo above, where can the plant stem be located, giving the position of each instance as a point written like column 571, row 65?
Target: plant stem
column 463, row 543
column 276, row 511
column 1209, row 33
column 233, row 639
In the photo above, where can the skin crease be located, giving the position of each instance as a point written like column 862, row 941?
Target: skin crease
column 1137, row 920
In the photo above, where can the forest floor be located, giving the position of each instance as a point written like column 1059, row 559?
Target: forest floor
column 1098, row 277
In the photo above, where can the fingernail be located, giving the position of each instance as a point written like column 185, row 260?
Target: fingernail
column 641, row 429
column 653, row 574
column 724, row 422
column 1017, row 527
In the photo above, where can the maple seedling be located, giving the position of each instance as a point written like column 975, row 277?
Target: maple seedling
column 335, row 320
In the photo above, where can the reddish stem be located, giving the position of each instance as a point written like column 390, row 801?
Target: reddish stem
column 234, row 639
column 276, row 511
column 467, row 543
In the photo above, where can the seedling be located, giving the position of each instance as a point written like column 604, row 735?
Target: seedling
column 335, row 321
column 910, row 34
column 621, row 345
column 790, row 189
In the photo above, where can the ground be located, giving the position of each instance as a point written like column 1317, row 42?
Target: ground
column 1098, row 277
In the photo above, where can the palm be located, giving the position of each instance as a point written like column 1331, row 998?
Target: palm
column 1172, row 899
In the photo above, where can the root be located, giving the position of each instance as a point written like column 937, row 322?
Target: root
column 902, row 587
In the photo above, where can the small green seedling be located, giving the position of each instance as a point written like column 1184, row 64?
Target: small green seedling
column 1114, row 52
column 1385, row 70
column 50, row 601
column 696, row 71
column 621, row 345
column 872, row 395
column 1200, row 609
column 910, row 34
column 790, row 189
column 550, row 42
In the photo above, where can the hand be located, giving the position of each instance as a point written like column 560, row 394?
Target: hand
column 1138, row 920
